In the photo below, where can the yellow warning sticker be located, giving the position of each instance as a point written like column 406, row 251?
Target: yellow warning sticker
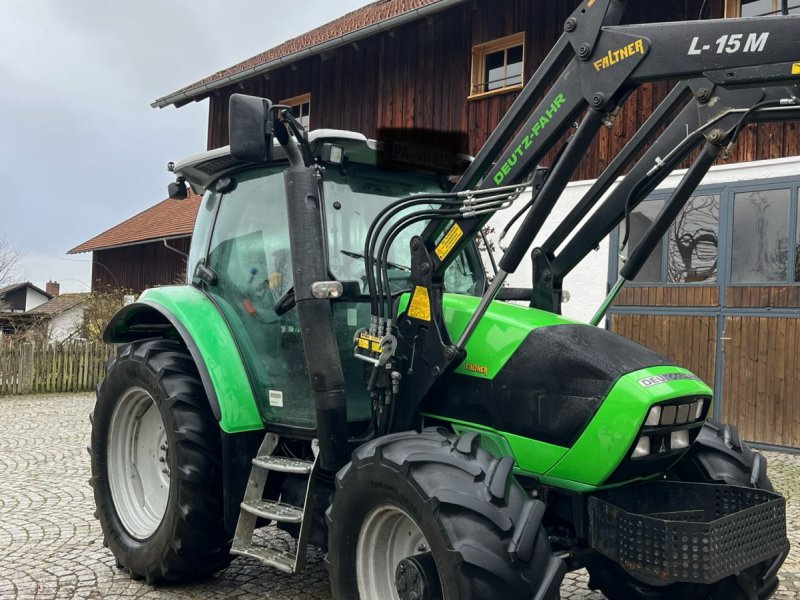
column 449, row 241
column 796, row 69
column 420, row 306
column 368, row 342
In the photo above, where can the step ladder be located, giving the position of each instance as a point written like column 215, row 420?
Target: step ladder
column 254, row 506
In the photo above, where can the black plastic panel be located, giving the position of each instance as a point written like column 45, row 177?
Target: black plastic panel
column 550, row 388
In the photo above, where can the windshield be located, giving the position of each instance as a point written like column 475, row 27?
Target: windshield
column 353, row 198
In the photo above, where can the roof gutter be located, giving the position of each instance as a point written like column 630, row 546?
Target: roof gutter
column 336, row 42
column 133, row 243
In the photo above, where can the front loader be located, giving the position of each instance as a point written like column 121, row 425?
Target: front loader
column 341, row 366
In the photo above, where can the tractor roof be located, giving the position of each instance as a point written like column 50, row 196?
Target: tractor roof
column 202, row 169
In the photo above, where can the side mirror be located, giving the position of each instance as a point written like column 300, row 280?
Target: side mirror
column 250, row 128
column 177, row 189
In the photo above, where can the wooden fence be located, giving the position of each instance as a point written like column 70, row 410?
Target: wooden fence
column 30, row 368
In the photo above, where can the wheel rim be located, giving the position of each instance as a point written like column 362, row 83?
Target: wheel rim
column 138, row 465
column 387, row 536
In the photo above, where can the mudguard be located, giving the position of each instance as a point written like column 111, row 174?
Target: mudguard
column 186, row 313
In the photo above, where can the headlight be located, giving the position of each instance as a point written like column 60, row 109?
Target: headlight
column 642, row 447
column 698, row 411
column 679, row 439
column 668, row 414
column 653, row 417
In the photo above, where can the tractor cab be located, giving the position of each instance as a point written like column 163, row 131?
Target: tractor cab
column 240, row 257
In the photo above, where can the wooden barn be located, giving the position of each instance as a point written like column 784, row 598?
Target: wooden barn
column 147, row 250
column 723, row 293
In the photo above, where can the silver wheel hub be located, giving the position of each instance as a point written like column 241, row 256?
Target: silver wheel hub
column 387, row 536
column 138, row 463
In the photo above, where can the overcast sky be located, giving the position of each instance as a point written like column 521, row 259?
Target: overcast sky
column 80, row 148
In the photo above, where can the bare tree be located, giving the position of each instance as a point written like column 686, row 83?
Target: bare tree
column 101, row 306
column 10, row 258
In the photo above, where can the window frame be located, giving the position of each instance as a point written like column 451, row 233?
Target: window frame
column 663, row 196
column 733, row 8
column 727, row 192
column 299, row 100
column 478, row 71
column 792, row 230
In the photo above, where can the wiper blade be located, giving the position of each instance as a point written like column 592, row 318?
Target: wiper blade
column 361, row 256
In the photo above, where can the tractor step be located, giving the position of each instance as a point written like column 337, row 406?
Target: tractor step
column 284, row 464
column 275, row 511
column 254, row 506
column 283, row 561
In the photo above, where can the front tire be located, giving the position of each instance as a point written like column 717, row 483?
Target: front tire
column 443, row 500
column 717, row 456
column 156, row 468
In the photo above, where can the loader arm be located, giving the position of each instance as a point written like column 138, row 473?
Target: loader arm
column 732, row 72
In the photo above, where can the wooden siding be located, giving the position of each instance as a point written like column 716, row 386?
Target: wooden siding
column 140, row 266
column 669, row 296
column 690, row 341
column 785, row 296
column 418, row 75
column 761, row 378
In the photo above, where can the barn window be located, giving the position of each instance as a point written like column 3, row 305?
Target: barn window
column 797, row 250
column 301, row 108
column 641, row 219
column 760, row 245
column 690, row 252
column 760, row 8
column 693, row 242
column 498, row 66
column 742, row 234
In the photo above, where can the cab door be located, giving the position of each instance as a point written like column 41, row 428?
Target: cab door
column 249, row 253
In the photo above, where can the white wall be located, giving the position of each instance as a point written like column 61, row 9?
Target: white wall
column 66, row 325
column 588, row 282
column 34, row 299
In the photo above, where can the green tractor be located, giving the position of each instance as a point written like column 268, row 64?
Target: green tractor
column 341, row 366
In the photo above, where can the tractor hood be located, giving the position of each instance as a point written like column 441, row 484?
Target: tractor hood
column 548, row 375
column 567, row 399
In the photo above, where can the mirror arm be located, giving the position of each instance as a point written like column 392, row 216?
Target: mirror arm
column 300, row 134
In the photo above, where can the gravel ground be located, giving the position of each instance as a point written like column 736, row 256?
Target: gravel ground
column 51, row 546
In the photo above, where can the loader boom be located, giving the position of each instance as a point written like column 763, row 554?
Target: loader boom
column 731, row 72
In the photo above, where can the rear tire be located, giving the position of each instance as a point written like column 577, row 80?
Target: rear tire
column 156, row 468
column 450, row 498
column 717, row 456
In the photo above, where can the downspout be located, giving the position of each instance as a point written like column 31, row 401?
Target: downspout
column 175, row 250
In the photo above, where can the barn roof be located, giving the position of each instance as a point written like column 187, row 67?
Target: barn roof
column 167, row 219
column 358, row 24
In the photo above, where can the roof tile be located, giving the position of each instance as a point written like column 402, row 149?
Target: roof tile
column 59, row 304
column 167, row 219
